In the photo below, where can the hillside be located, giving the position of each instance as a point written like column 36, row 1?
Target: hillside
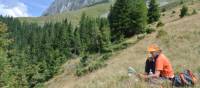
column 73, row 16
column 179, row 39
column 97, row 10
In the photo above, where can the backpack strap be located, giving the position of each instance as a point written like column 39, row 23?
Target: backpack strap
column 194, row 78
column 183, row 80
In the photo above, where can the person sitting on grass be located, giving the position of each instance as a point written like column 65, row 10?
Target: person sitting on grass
column 163, row 67
column 163, row 70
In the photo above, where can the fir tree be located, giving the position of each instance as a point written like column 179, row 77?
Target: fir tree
column 153, row 11
column 127, row 17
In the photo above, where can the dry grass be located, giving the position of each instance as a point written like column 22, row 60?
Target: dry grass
column 181, row 45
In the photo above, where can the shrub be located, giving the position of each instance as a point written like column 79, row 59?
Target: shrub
column 39, row 85
column 194, row 12
column 107, row 50
column 84, row 60
column 92, row 66
column 96, row 65
column 120, row 47
column 161, row 33
column 106, row 56
column 86, row 66
column 163, row 14
column 80, row 71
column 182, row 2
column 160, row 24
column 184, row 11
column 173, row 12
column 164, row 9
column 149, row 30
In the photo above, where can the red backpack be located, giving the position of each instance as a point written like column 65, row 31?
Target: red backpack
column 186, row 78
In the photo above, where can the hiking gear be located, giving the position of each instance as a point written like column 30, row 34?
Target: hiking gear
column 131, row 71
column 164, row 66
column 186, row 78
column 153, row 48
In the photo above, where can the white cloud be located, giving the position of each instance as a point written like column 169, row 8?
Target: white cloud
column 19, row 9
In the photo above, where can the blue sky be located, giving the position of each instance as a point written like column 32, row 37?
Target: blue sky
column 23, row 8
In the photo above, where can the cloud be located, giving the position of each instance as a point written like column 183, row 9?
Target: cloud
column 17, row 9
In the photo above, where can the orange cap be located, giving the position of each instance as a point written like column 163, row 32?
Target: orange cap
column 152, row 48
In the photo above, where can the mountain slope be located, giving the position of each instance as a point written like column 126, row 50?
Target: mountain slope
column 73, row 16
column 59, row 6
column 97, row 10
column 180, row 43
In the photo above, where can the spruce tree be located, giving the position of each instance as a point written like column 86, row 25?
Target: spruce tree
column 77, row 42
column 153, row 11
column 127, row 17
column 105, row 40
column 138, row 17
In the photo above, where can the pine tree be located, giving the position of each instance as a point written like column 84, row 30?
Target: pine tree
column 153, row 11
column 138, row 17
column 127, row 17
column 105, row 39
column 77, row 42
column 4, row 62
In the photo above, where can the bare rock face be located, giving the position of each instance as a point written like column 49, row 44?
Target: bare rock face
column 59, row 6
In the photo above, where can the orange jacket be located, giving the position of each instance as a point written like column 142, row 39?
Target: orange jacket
column 164, row 66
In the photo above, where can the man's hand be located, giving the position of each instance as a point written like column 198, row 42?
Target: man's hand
column 142, row 76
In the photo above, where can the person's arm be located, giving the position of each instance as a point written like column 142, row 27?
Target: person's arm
column 156, row 75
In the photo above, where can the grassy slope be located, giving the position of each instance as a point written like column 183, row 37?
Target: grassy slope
column 181, row 44
column 73, row 16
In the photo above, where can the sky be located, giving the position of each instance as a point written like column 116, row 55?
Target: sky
column 23, row 8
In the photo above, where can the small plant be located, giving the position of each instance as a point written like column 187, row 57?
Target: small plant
column 164, row 9
column 80, row 71
column 194, row 12
column 161, row 33
column 160, row 24
column 182, row 2
column 149, row 30
column 84, row 60
column 173, row 12
column 106, row 56
column 96, row 65
column 88, row 64
column 163, row 14
column 184, row 11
